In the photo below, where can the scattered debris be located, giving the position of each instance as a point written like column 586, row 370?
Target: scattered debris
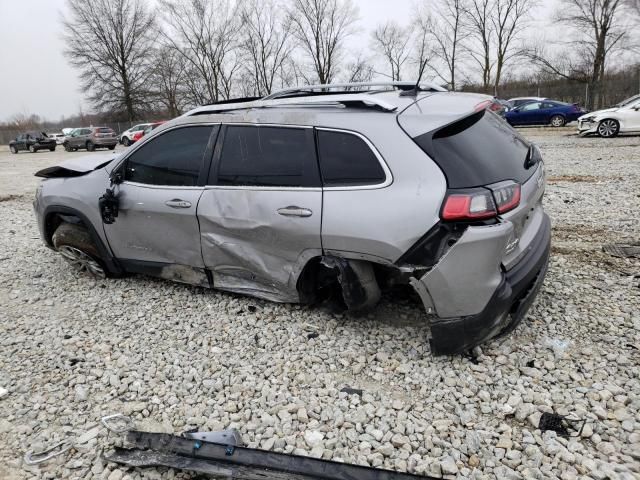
column 352, row 391
column 313, row 335
column 252, row 308
column 622, row 250
column 557, row 345
column 531, row 364
column 33, row 458
column 3, row 392
column 563, row 426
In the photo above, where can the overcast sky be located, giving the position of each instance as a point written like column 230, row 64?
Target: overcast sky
column 36, row 77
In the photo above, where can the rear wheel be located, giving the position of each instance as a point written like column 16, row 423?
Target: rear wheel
column 67, row 147
column 13, row 149
column 52, row 149
column 74, row 243
column 111, row 147
column 608, row 128
column 90, row 146
column 558, row 121
column 33, row 149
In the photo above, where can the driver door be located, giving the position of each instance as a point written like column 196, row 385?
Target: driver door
column 157, row 230
column 630, row 117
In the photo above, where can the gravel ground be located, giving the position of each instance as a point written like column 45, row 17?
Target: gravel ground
column 176, row 357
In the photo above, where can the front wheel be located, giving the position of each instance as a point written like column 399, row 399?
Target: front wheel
column 558, row 121
column 111, row 147
column 126, row 142
column 13, row 149
column 74, row 243
column 90, row 147
column 33, row 149
column 67, row 147
column 608, row 128
column 52, row 149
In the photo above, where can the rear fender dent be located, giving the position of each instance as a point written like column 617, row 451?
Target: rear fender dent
column 466, row 277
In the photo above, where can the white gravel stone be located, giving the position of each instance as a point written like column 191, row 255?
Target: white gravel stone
column 176, row 357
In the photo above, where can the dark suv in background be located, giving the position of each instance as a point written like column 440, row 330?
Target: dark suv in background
column 32, row 141
column 91, row 138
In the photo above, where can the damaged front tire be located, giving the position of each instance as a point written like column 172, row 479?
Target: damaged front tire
column 74, row 243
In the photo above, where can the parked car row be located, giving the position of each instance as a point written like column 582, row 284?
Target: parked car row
column 32, row 141
column 136, row 132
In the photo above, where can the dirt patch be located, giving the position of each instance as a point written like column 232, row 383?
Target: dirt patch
column 8, row 198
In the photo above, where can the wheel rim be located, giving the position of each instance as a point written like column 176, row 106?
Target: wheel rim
column 32, row 149
column 81, row 261
column 556, row 122
column 607, row 128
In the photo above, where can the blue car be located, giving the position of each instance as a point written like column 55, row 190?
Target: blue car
column 544, row 112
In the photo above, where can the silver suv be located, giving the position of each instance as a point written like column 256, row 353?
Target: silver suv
column 322, row 192
column 90, row 138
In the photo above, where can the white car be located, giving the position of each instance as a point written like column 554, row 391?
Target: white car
column 58, row 137
column 622, row 118
column 126, row 138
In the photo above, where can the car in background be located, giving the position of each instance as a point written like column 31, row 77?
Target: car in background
column 58, row 137
column 621, row 118
column 91, row 138
column 150, row 127
column 127, row 137
column 517, row 101
column 32, row 141
column 544, row 112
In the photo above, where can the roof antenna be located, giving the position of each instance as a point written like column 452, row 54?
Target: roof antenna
column 414, row 91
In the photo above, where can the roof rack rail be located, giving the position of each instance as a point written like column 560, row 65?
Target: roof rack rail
column 354, row 87
column 349, row 100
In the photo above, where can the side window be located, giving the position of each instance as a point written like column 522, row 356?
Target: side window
column 173, row 158
column 347, row 160
column 548, row 105
column 531, row 106
column 268, row 156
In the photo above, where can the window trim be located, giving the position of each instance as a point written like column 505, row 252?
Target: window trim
column 215, row 163
column 204, row 169
column 385, row 168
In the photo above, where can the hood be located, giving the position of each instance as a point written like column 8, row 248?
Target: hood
column 598, row 112
column 77, row 166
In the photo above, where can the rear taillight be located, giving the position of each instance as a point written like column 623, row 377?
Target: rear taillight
column 474, row 204
column 482, row 105
column 506, row 196
column 481, row 203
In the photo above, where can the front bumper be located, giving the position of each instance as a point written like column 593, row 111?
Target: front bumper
column 585, row 128
column 506, row 308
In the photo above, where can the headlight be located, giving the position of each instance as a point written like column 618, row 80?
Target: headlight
column 589, row 119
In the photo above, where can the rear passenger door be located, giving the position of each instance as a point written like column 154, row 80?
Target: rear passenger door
column 260, row 214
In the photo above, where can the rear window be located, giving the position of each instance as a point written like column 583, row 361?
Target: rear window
column 478, row 150
column 104, row 130
column 347, row 160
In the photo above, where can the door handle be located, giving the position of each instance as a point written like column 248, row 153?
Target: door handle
column 177, row 203
column 293, row 211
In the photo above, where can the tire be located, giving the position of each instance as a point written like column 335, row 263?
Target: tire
column 558, row 121
column 52, row 149
column 111, row 147
column 13, row 149
column 126, row 142
column 67, row 147
column 608, row 128
column 33, row 149
column 74, row 243
column 90, row 146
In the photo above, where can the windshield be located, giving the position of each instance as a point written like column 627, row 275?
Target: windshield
column 628, row 101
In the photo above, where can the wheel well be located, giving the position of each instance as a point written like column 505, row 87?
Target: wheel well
column 54, row 219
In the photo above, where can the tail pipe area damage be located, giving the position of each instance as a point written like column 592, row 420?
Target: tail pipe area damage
column 228, row 459
column 473, row 298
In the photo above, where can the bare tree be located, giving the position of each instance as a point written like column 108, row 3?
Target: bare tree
column 168, row 80
column 108, row 41
column 479, row 44
column 448, row 32
column 597, row 30
column 392, row 41
column 266, row 42
column 422, row 48
column 509, row 22
column 359, row 70
column 207, row 35
column 321, row 27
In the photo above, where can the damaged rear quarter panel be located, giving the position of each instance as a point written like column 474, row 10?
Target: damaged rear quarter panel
column 473, row 264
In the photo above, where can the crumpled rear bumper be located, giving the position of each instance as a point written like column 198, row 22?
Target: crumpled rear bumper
column 505, row 309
